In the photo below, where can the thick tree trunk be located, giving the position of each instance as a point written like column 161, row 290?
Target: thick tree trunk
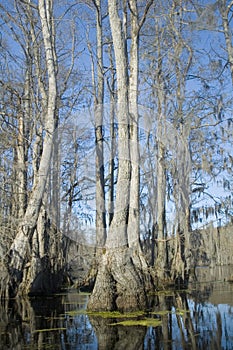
column 122, row 278
column 121, row 283
column 26, row 245
column 43, row 272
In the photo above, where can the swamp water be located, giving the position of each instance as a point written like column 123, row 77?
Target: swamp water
column 199, row 318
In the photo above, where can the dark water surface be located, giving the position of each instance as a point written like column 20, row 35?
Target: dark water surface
column 199, row 318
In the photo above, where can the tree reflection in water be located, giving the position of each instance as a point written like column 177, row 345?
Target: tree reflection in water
column 199, row 319
column 117, row 337
column 24, row 321
column 192, row 322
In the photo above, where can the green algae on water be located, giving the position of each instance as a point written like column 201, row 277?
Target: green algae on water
column 49, row 330
column 147, row 322
column 115, row 314
column 106, row 314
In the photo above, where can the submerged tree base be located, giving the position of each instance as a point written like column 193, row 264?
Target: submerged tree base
column 122, row 282
column 34, row 263
column 45, row 283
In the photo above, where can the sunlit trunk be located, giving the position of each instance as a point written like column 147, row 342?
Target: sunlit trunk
column 99, row 110
column 133, row 227
column 225, row 10
column 121, row 282
column 21, row 273
column 162, row 144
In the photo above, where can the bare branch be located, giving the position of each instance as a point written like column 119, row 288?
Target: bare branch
column 148, row 5
column 30, row 4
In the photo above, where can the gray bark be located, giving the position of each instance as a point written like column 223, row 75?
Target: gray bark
column 99, row 100
column 133, row 227
column 113, row 139
column 161, row 259
column 118, row 231
column 224, row 11
column 20, row 251
column 122, row 277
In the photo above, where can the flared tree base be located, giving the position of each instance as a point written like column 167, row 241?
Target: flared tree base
column 122, row 282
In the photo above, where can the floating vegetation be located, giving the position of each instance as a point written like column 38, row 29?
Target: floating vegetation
column 49, row 330
column 54, row 318
column 177, row 311
column 115, row 314
column 135, row 318
column 181, row 312
column 73, row 313
column 84, row 293
column 106, row 314
column 147, row 322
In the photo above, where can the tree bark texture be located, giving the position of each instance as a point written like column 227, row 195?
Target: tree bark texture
column 22, row 267
column 120, row 284
column 99, row 100
column 123, row 278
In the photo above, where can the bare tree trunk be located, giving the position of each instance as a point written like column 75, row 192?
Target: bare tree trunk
column 55, row 182
column 161, row 258
column 113, row 140
column 133, row 227
column 225, row 10
column 162, row 255
column 120, row 219
column 21, row 249
column 21, row 169
column 181, row 261
column 99, row 100
column 121, row 283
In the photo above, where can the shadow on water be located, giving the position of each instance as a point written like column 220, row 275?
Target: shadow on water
column 199, row 318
